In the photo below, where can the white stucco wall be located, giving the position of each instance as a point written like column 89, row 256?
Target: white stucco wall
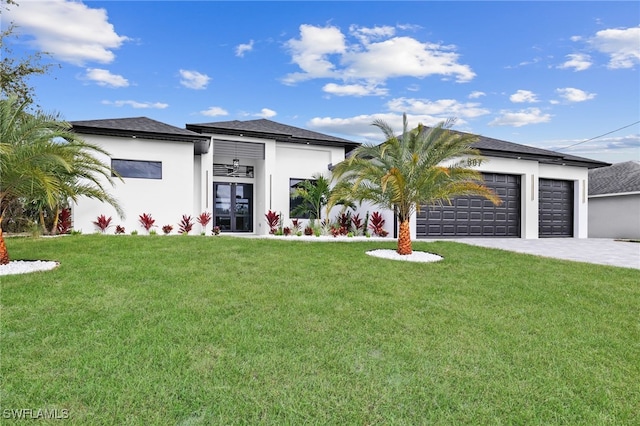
column 294, row 161
column 187, row 181
column 166, row 199
column 614, row 216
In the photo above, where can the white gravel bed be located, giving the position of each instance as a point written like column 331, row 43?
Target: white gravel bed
column 416, row 256
column 26, row 266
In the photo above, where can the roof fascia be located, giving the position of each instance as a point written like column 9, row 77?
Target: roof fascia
column 201, row 144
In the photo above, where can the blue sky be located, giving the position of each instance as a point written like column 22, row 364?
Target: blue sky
column 545, row 74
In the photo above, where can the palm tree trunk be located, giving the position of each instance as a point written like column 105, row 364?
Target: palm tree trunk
column 42, row 224
column 4, row 254
column 56, row 218
column 404, row 239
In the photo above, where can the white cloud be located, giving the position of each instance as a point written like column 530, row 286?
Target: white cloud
column 194, row 79
column 104, row 77
column 266, row 113
column 522, row 96
column 365, row 35
column 440, row 109
column 324, row 52
column 575, row 95
column 214, row 112
column 137, row 105
column 404, row 57
column 69, row 30
column 622, row 148
column 311, row 52
column 476, row 94
column 521, row 118
column 360, row 129
column 354, row 90
column 577, row 61
column 621, row 45
column 241, row 49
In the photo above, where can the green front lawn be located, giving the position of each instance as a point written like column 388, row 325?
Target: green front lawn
column 189, row 330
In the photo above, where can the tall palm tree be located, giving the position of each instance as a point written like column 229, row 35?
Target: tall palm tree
column 42, row 160
column 422, row 166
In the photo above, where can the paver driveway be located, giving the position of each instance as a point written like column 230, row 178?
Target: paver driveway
column 602, row 251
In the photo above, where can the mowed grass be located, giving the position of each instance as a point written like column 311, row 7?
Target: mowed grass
column 191, row 330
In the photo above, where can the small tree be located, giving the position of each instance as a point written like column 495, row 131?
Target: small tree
column 313, row 195
column 43, row 161
column 407, row 171
column 15, row 72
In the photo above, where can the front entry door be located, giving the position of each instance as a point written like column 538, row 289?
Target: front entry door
column 233, row 207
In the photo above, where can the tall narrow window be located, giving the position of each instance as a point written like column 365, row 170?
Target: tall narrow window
column 137, row 168
column 296, row 208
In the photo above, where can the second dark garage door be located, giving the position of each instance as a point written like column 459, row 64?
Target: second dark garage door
column 555, row 214
column 475, row 216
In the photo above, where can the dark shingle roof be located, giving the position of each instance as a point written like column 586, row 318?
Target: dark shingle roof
column 499, row 148
column 271, row 129
column 615, row 179
column 141, row 127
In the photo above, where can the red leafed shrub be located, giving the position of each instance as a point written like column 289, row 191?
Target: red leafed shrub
column 204, row 218
column 377, row 225
column 273, row 220
column 357, row 223
column 119, row 229
column 64, row 221
column 308, row 231
column 147, row 221
column 186, row 224
column 167, row 229
column 344, row 220
column 103, row 223
column 337, row 230
column 286, row 230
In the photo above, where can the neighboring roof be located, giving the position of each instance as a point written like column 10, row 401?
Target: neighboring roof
column 499, row 148
column 141, row 127
column 618, row 178
column 263, row 128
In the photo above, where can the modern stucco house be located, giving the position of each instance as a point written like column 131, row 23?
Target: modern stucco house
column 614, row 201
column 239, row 170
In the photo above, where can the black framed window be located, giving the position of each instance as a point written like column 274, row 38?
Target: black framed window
column 296, row 202
column 137, row 168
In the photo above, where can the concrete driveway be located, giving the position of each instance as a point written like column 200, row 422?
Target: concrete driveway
column 591, row 250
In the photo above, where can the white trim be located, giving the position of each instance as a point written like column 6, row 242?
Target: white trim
column 617, row 194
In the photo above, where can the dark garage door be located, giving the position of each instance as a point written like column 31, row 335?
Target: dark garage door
column 475, row 216
column 555, row 214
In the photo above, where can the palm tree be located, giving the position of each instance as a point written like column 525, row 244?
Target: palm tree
column 423, row 166
column 313, row 194
column 43, row 161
